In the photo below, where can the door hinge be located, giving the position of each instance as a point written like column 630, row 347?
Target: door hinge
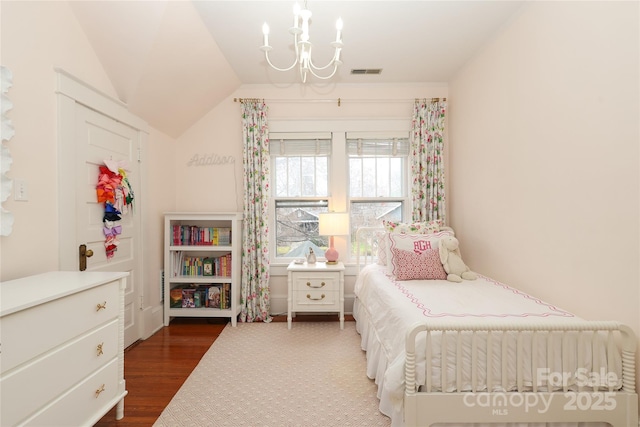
column 139, row 155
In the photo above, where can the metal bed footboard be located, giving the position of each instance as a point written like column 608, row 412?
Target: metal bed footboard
column 618, row 407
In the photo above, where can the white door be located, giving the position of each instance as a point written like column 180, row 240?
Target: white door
column 87, row 138
column 101, row 138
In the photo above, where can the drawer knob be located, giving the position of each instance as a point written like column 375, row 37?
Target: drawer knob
column 100, row 390
column 101, row 306
column 99, row 349
column 315, row 299
column 315, row 286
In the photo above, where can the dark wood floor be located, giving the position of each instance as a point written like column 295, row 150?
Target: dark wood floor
column 156, row 368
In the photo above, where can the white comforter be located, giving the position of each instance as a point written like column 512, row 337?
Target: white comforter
column 385, row 309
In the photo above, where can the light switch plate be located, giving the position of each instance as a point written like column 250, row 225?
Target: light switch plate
column 20, row 190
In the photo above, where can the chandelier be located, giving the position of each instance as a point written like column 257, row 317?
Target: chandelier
column 300, row 32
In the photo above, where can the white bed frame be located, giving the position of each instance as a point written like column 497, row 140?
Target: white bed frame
column 426, row 406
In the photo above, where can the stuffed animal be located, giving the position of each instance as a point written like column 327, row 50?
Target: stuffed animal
column 452, row 261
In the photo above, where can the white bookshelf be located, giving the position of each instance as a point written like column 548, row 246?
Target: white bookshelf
column 177, row 249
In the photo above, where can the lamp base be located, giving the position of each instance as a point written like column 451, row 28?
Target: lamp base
column 331, row 255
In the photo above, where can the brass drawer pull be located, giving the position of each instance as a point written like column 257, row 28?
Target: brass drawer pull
column 99, row 349
column 101, row 306
column 315, row 286
column 100, row 390
column 315, row 299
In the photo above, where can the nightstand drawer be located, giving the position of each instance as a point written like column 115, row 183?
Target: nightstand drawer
column 316, row 299
column 310, row 281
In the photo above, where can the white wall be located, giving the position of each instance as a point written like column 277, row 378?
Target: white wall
column 544, row 159
column 37, row 36
column 159, row 190
column 219, row 187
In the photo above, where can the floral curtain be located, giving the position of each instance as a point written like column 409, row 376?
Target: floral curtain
column 254, row 295
column 427, row 160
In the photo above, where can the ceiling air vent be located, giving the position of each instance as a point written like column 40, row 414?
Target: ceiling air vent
column 358, row 71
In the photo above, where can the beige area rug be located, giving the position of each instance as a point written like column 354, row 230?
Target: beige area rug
column 263, row 374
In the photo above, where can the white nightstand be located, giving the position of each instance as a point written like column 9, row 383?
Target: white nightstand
column 315, row 287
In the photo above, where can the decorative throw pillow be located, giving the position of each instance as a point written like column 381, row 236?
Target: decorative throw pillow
column 409, row 265
column 417, row 243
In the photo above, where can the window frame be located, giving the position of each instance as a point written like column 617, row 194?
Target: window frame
column 338, row 193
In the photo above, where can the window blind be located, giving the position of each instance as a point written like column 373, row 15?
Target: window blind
column 387, row 147
column 300, row 144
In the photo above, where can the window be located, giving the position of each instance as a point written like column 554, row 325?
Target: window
column 377, row 180
column 300, row 175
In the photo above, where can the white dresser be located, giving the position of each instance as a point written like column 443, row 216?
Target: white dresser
column 62, row 348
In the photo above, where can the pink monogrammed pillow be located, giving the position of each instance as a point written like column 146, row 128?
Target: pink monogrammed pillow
column 409, row 265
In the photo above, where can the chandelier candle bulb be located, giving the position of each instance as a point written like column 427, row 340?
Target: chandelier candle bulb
column 339, row 32
column 306, row 15
column 265, row 33
column 296, row 15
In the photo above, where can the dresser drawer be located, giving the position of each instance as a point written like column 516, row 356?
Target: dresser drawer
column 31, row 332
column 316, row 300
column 44, row 378
column 315, row 281
column 79, row 406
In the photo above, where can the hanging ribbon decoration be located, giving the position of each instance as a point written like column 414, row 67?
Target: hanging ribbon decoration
column 115, row 191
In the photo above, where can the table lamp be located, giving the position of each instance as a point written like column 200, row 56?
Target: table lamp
column 333, row 224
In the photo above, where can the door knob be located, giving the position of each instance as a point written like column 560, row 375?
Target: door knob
column 83, row 254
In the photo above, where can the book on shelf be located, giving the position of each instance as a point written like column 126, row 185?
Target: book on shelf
column 225, row 296
column 213, row 296
column 207, row 266
column 175, row 297
column 177, row 263
column 188, row 298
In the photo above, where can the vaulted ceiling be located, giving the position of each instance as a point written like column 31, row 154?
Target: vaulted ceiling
column 172, row 61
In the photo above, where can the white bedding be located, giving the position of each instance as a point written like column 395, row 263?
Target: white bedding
column 385, row 309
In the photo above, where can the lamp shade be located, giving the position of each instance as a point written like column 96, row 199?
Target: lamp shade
column 333, row 224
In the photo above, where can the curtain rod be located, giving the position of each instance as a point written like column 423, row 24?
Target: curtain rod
column 339, row 100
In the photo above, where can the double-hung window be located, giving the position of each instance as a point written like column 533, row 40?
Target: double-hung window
column 378, row 179
column 300, row 186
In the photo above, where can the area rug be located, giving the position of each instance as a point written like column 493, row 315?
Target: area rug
column 263, row 374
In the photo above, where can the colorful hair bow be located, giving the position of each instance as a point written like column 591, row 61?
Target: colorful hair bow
column 112, row 231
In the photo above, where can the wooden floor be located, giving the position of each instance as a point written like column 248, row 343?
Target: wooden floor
column 156, row 368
